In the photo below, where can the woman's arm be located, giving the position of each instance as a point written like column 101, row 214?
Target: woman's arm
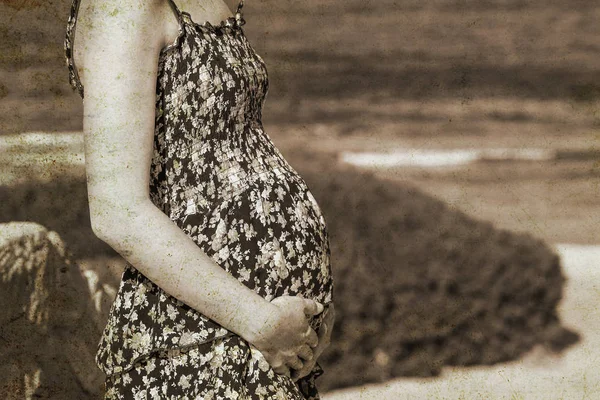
column 123, row 44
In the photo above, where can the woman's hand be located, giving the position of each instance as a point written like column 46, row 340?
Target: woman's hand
column 324, row 340
column 286, row 337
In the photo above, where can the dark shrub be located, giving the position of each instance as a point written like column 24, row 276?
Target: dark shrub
column 419, row 285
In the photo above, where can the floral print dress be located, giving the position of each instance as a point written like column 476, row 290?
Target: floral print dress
column 217, row 174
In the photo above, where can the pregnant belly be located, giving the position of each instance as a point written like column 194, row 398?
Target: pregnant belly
column 271, row 235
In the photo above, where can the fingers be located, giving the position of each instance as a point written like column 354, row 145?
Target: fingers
column 299, row 374
column 312, row 307
column 323, row 329
column 311, row 337
column 325, row 334
column 305, row 352
column 295, row 363
column 330, row 316
column 283, row 370
column 327, row 325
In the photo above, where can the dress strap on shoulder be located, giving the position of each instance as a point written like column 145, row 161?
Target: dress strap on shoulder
column 68, row 46
column 240, row 6
column 178, row 14
column 239, row 15
column 175, row 8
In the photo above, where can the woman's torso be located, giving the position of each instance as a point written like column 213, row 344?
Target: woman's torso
column 218, row 175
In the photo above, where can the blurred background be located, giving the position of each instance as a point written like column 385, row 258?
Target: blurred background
column 454, row 146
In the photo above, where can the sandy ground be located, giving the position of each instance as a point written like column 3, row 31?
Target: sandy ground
column 572, row 376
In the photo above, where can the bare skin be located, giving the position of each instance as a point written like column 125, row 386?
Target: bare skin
column 116, row 50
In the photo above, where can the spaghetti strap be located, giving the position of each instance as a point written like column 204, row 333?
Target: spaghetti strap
column 175, row 8
column 237, row 11
column 239, row 16
column 69, row 45
column 239, row 7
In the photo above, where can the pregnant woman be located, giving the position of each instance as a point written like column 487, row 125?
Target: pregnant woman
column 227, row 290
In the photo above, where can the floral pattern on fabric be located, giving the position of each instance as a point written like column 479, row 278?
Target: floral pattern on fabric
column 217, row 174
column 227, row 367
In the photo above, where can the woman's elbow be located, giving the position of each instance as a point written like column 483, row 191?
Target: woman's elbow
column 110, row 220
column 103, row 228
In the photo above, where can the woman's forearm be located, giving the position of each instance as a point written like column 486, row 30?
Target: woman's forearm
column 150, row 241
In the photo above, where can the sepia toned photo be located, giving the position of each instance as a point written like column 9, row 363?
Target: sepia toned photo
column 310, row 200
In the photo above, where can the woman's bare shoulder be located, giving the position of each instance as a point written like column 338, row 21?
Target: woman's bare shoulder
column 116, row 31
column 99, row 13
column 101, row 20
